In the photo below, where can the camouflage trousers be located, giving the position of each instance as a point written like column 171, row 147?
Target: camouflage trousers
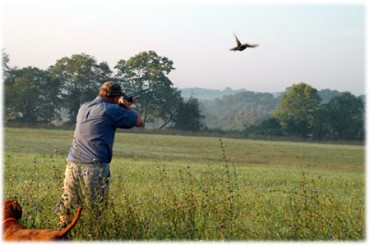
column 86, row 185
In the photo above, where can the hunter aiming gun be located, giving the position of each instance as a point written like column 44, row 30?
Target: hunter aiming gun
column 131, row 97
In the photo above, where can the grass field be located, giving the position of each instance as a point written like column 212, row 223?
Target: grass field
column 197, row 188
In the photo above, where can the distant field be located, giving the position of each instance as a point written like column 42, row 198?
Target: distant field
column 198, row 188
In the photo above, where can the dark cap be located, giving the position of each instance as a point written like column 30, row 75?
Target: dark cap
column 110, row 89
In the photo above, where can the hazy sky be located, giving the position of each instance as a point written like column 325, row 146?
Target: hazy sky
column 322, row 44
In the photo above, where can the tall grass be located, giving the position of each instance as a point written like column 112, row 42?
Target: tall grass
column 213, row 199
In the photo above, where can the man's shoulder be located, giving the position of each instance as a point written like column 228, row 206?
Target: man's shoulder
column 102, row 105
column 97, row 106
column 98, row 101
column 110, row 109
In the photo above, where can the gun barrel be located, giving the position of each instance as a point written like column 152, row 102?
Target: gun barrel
column 133, row 95
column 137, row 93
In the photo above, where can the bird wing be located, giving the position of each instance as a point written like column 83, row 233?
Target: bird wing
column 251, row 45
column 238, row 43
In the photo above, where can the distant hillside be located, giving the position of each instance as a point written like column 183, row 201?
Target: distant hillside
column 233, row 109
column 208, row 94
column 233, row 112
column 211, row 94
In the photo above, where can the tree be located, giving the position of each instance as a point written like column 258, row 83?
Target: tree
column 298, row 109
column 6, row 67
column 189, row 117
column 147, row 69
column 321, row 124
column 168, row 111
column 31, row 96
column 269, row 127
column 81, row 77
column 346, row 116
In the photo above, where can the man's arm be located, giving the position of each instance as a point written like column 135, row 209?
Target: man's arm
column 140, row 121
column 125, row 104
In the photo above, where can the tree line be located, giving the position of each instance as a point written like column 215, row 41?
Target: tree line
column 333, row 115
column 34, row 95
column 303, row 113
column 54, row 95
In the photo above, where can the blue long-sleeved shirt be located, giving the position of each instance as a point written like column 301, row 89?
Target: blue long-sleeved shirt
column 96, row 125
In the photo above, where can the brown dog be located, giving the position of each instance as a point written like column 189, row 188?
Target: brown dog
column 13, row 231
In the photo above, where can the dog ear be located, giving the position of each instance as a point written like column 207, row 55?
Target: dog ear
column 17, row 210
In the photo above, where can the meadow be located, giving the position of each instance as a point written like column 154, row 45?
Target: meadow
column 182, row 188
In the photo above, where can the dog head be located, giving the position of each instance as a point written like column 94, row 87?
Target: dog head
column 12, row 209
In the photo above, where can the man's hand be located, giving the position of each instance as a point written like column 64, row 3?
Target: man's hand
column 124, row 103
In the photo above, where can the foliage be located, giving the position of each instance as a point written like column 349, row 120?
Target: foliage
column 298, row 109
column 81, row 77
column 249, row 113
column 341, row 117
column 234, row 112
column 208, row 93
column 77, row 79
column 147, row 69
column 169, row 107
column 269, row 127
column 345, row 114
column 189, row 116
column 5, row 63
column 31, row 95
column 327, row 94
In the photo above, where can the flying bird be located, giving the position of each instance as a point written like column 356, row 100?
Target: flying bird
column 241, row 47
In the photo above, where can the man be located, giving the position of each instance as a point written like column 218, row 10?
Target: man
column 87, row 173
